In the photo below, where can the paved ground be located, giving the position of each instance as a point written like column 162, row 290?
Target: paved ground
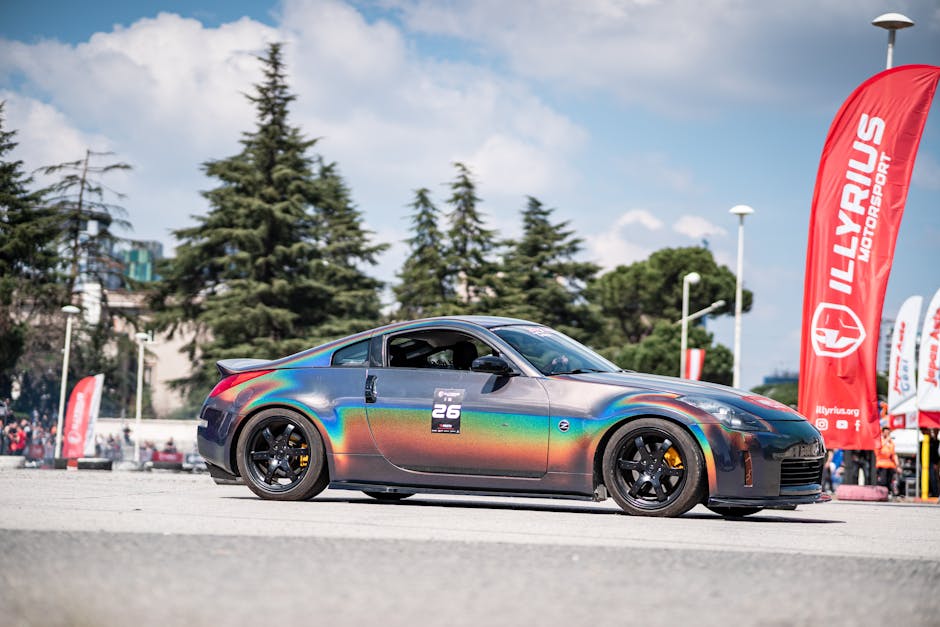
column 88, row 548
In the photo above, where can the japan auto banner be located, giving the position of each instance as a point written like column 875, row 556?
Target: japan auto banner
column 861, row 188
column 81, row 416
column 928, row 373
column 902, row 382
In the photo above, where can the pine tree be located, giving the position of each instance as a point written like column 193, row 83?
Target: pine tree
column 30, row 293
column 471, row 270
column 543, row 281
column 263, row 274
column 88, row 220
column 346, row 246
column 424, row 289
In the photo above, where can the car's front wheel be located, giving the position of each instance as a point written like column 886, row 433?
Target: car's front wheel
column 281, row 456
column 653, row 467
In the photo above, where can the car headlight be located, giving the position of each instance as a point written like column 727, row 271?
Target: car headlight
column 728, row 415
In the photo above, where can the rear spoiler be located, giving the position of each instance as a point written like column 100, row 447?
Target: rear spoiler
column 229, row 367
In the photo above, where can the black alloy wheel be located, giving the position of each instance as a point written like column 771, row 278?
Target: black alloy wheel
column 387, row 496
column 733, row 511
column 281, row 456
column 653, row 467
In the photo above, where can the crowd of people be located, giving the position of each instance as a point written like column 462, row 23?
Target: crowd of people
column 35, row 440
column 890, row 470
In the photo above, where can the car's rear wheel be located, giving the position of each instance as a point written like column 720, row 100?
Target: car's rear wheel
column 281, row 456
column 388, row 496
column 733, row 512
column 653, row 467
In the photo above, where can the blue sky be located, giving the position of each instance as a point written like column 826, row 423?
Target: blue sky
column 641, row 122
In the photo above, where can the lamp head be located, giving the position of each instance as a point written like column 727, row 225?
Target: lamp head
column 692, row 278
column 892, row 21
column 741, row 210
column 71, row 310
column 142, row 337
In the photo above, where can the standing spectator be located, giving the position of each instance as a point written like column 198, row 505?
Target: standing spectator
column 17, row 438
column 886, row 460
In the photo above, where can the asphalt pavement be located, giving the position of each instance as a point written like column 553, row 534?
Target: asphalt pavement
column 129, row 548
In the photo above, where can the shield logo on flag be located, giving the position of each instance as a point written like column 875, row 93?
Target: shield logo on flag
column 837, row 331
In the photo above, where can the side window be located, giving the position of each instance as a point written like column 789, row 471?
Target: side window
column 353, row 355
column 439, row 349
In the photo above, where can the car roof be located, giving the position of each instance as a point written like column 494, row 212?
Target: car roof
column 486, row 321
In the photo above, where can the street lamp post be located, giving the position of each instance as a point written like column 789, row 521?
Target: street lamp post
column 892, row 22
column 718, row 304
column 740, row 211
column 689, row 279
column 142, row 338
column 69, row 311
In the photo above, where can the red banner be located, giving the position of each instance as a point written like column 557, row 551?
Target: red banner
column 80, row 418
column 694, row 361
column 857, row 206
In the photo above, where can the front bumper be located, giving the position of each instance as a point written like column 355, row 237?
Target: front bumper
column 769, row 501
column 763, row 468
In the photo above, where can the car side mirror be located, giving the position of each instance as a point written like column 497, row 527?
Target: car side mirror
column 491, row 364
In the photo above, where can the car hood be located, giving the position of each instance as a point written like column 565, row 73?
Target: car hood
column 762, row 406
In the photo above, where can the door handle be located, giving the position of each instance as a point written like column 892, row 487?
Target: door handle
column 370, row 389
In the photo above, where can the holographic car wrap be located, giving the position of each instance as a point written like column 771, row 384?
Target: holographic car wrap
column 515, row 432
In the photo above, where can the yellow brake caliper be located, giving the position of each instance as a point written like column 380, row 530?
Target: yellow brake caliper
column 304, row 459
column 672, row 458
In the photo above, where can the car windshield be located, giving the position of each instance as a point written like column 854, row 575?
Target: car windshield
column 552, row 352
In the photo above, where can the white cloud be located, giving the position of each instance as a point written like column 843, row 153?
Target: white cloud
column 166, row 94
column 621, row 245
column 642, row 217
column 44, row 135
column 697, row 227
column 658, row 53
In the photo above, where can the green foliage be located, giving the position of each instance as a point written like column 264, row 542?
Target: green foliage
column 274, row 266
column 424, row 287
column 641, row 302
column 659, row 352
column 30, row 292
column 354, row 304
column 633, row 298
column 541, row 279
column 471, row 270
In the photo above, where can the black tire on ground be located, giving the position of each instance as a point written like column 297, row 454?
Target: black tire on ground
column 653, row 467
column 94, row 463
column 281, row 456
column 733, row 512
column 388, row 496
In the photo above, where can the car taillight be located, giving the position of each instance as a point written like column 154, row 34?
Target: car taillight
column 234, row 379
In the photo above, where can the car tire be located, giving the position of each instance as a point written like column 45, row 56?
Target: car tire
column 270, row 457
column 388, row 496
column 653, row 467
column 733, row 512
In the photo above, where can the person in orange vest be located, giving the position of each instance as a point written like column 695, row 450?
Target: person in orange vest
column 886, row 460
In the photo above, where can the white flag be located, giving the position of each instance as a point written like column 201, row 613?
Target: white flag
column 902, row 389
column 928, row 379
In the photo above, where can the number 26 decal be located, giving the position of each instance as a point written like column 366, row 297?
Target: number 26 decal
column 443, row 410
